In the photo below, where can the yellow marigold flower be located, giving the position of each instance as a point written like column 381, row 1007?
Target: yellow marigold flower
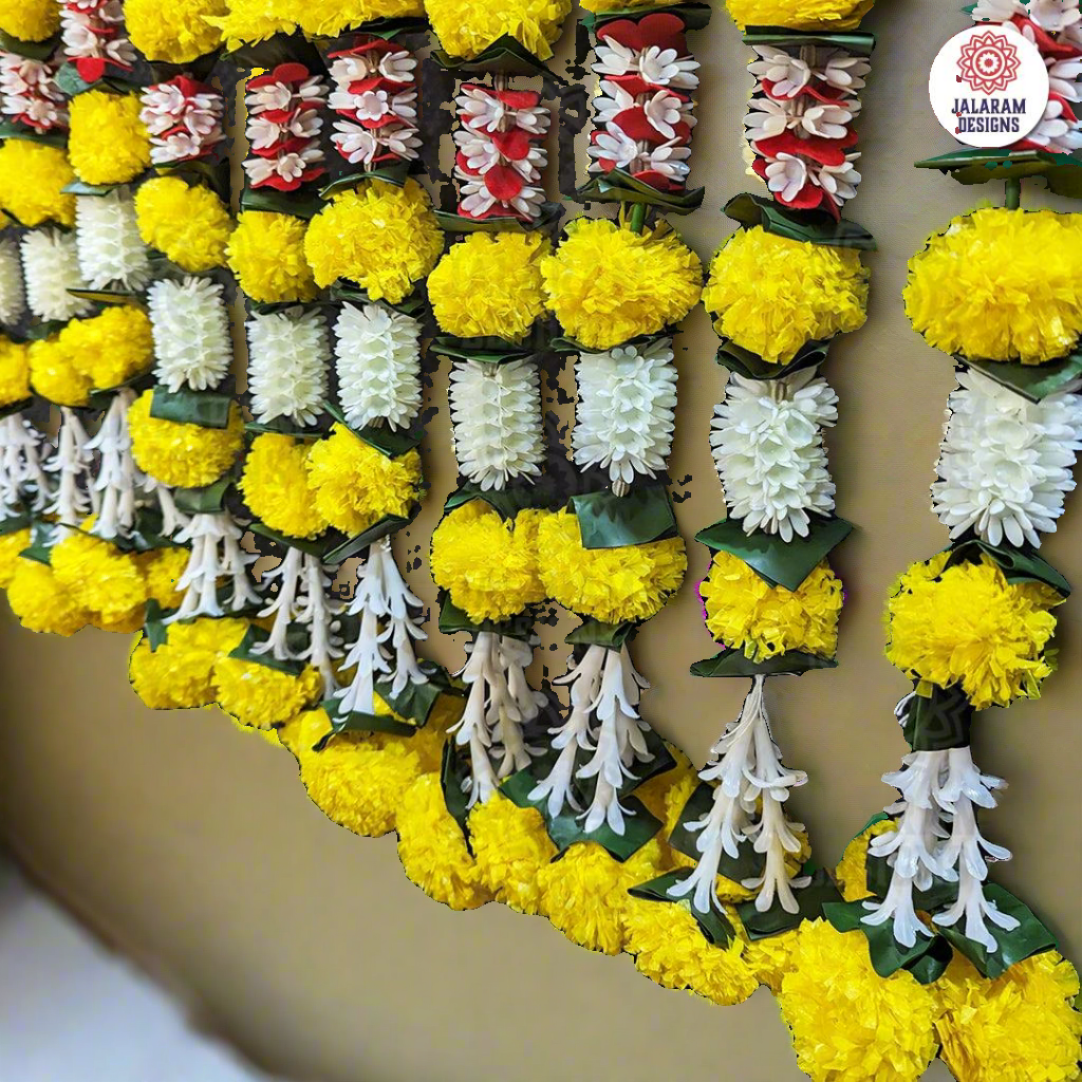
column 249, row 21
column 670, row 949
column 30, row 20
column 799, row 14
column 488, row 565
column 433, row 849
column 14, row 371
column 382, row 237
column 53, row 374
column 1021, row 1027
column 266, row 253
column 607, row 284
column 182, row 455
column 188, row 223
column 468, row 27
column 490, row 284
column 175, row 32
column 105, row 581
column 773, row 295
column 511, row 845
column 328, row 18
column 969, row 625
column 615, row 586
column 111, row 348
column 618, row 5
column 771, row 958
column 40, row 603
column 356, row 485
column 852, row 870
column 275, row 486
column 1004, row 285
column 11, row 544
column 163, row 569
column 666, row 794
column 745, row 612
column 32, row 176
column 108, row 144
column 849, row 1024
column 258, row 696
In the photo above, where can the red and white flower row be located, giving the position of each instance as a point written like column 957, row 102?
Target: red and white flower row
column 284, row 126
column 184, row 119
column 29, row 95
column 94, row 39
column 375, row 90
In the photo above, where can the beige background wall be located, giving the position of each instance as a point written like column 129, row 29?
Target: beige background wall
column 195, row 846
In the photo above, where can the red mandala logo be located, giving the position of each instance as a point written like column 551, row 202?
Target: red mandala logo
column 989, row 63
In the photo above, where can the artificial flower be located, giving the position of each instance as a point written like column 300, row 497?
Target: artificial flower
column 192, row 344
column 40, row 603
column 511, row 845
column 852, row 870
column 102, row 580
column 266, row 253
column 32, row 179
column 259, row 696
column 275, row 486
column 613, row 585
column 51, row 269
column 607, row 284
column 328, row 18
column 189, row 224
column 772, row 295
column 29, row 20
column 12, row 294
column 998, row 284
column 184, row 118
column 14, row 372
column 247, row 22
column 111, row 252
column 770, row 958
column 109, row 144
column 11, row 546
column 110, row 348
column 287, row 367
column 175, row 32
column 53, row 374
column 799, row 15
column 466, row 29
column 163, row 570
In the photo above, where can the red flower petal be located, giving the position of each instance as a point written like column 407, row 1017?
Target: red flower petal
column 808, row 198
column 504, row 182
column 362, row 86
column 824, row 151
column 90, row 68
column 1047, row 44
column 664, row 30
column 633, row 84
column 634, row 124
column 290, row 73
column 657, row 180
column 519, row 99
column 514, row 145
column 460, row 162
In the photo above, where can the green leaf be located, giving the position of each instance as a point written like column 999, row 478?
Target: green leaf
column 1032, row 381
column 413, row 305
column 282, row 426
column 491, row 349
column 608, row 521
column 979, row 166
column 383, row 438
column 1066, row 179
column 154, row 628
column 42, row 539
column 106, row 296
column 939, row 721
column 617, row 186
column 594, row 633
column 353, row 546
column 201, row 173
column 319, row 546
column 11, row 130
column 813, row 227
column 80, row 187
column 450, row 222
column 14, row 524
column 811, row 899
column 505, row 56
column 715, row 925
column 932, row 964
column 15, row 407
column 937, row 896
column 207, row 409
column 508, row 502
column 886, row 953
column 748, row 865
column 752, row 366
column 695, row 16
column 453, row 620
column 640, row 826
column 296, row 638
column 454, row 773
column 298, row 204
column 395, row 174
column 415, row 702
column 207, row 500
column 733, row 662
column 32, row 50
column 1018, row 565
column 780, row 563
column 854, row 43
column 358, row 722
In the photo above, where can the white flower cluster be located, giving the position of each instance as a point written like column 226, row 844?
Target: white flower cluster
column 288, row 354
column 184, row 119
column 111, row 251
column 118, row 480
column 283, row 128
column 378, row 360
column 624, row 419
column 12, row 293
column 192, row 344
column 501, row 152
column 375, row 91
column 644, row 108
column 22, row 472
column 767, row 442
column 94, row 38
column 29, row 94
column 1006, row 463
column 216, row 560
column 799, row 124
column 496, row 418
column 51, row 268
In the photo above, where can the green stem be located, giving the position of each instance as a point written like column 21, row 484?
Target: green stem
column 1014, row 193
column 637, row 218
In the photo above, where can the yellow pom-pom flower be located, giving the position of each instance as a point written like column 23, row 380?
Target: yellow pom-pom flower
column 259, row 696
column 14, row 371
column 769, row 959
column 968, row 625
column 328, row 18
column 247, row 22
column 773, row 295
column 488, row 564
column 849, row 1024
column 433, row 849
column 356, row 485
column 103, row 580
column 111, row 348
column 182, row 455
column 266, row 253
column 189, row 224
column 799, row 14
column 511, row 845
column 852, row 870
column 29, row 20
column 162, row 569
column 275, row 486
column 745, row 612
column 607, row 284
column 382, row 237
column 40, row 603
column 1020, row 1027
column 32, row 179
column 467, row 28
column 616, row 585
column 53, row 374
column 490, row 284
column 175, row 32
column 108, row 143
column 1003, row 285
column 11, row 545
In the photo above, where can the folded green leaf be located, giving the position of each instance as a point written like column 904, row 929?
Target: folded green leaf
column 1032, row 381
column 608, row 521
column 207, row 500
column 715, row 925
column 505, row 56
column 453, row 620
column 810, row 226
column 391, row 442
column 208, row 409
column 732, row 662
column 354, row 546
column 296, row 639
column 616, row 186
column 594, row 633
column 695, row 16
column 852, row 42
column 748, row 865
column 450, row 222
column 508, row 501
column 752, row 366
column 1018, row 565
column 811, row 899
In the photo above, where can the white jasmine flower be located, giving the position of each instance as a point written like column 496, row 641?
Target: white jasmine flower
column 787, row 74
column 288, row 356
column 613, row 145
column 51, row 268
column 111, row 251
column 364, row 145
column 768, row 449
column 1064, row 76
column 378, row 358
column 1057, row 131
column 1006, row 463
column 476, row 199
column 216, row 559
column 840, row 69
column 660, row 67
column 192, row 344
column 624, row 419
column 482, row 110
column 12, row 294
column 118, row 479
column 838, row 181
column 23, row 480
column 496, row 415
column 767, row 117
column 181, row 125
column 291, row 166
column 786, row 175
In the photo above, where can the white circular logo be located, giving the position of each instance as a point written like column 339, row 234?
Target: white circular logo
column 989, row 86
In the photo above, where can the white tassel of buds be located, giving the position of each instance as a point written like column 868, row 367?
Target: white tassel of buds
column 192, row 345
column 118, row 477
column 214, row 539
column 111, row 251
column 22, row 475
column 746, row 765
column 73, row 463
column 288, row 354
column 51, row 268
column 12, row 294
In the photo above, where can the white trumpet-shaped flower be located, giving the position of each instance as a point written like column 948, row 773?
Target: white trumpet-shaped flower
column 12, row 294
column 118, row 480
column 378, row 358
column 288, row 355
column 192, row 344
column 50, row 269
column 74, row 496
column 496, row 416
column 624, row 419
column 217, row 560
column 23, row 480
column 1005, row 464
column 111, row 251
column 768, row 448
